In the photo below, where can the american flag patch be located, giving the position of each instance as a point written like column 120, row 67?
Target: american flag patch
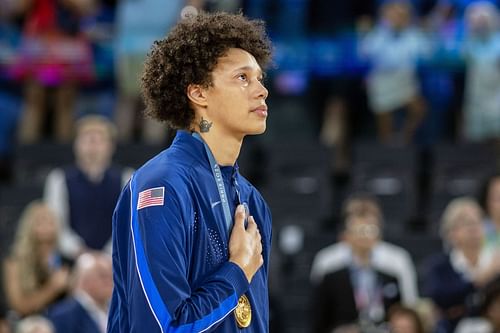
column 151, row 197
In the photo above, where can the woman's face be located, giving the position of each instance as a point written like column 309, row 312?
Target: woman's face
column 44, row 225
column 401, row 323
column 467, row 230
column 397, row 15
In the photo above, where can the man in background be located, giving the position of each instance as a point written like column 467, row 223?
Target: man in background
column 86, row 310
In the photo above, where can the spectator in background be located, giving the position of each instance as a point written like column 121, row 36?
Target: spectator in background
column 490, row 201
column 452, row 278
column 400, row 263
column 34, row 273
column 98, row 27
column 489, row 321
column 54, row 57
column 393, row 48
column 403, row 319
column 359, row 278
column 338, row 97
column 442, row 74
column 138, row 24
column 35, row 324
column 481, row 116
column 460, row 6
column 84, row 194
column 86, row 310
column 355, row 291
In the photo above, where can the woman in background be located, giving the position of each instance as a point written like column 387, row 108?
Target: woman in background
column 455, row 276
column 54, row 58
column 34, row 276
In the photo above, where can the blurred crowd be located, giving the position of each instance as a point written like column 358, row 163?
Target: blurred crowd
column 364, row 284
column 403, row 73
column 413, row 71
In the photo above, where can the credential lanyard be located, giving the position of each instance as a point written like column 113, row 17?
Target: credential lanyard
column 218, row 181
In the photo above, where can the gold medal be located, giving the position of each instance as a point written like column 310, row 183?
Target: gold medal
column 243, row 312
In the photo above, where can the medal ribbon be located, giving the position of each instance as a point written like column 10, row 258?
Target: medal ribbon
column 243, row 311
column 218, row 181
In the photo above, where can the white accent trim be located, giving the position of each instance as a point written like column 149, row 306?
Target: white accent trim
column 140, row 277
column 223, row 317
column 135, row 255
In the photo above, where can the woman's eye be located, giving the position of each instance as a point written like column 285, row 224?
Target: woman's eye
column 242, row 77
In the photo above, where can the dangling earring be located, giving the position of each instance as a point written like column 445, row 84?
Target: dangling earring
column 205, row 125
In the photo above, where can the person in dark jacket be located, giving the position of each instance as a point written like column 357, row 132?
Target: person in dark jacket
column 181, row 262
column 86, row 310
column 355, row 290
column 84, row 194
column 454, row 277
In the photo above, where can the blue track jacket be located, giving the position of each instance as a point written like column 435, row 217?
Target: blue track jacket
column 170, row 257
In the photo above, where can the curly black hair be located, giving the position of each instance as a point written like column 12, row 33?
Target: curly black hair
column 189, row 54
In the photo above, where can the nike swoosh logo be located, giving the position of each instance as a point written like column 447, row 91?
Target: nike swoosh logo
column 215, row 203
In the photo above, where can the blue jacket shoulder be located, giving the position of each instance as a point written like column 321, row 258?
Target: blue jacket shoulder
column 170, row 167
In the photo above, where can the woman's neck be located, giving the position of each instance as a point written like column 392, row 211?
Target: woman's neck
column 225, row 148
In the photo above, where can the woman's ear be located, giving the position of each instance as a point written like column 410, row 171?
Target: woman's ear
column 197, row 95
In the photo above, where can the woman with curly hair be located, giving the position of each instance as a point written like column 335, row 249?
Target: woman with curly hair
column 191, row 236
column 34, row 277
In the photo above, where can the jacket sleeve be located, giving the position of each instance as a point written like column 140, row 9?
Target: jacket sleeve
column 160, row 242
column 407, row 278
